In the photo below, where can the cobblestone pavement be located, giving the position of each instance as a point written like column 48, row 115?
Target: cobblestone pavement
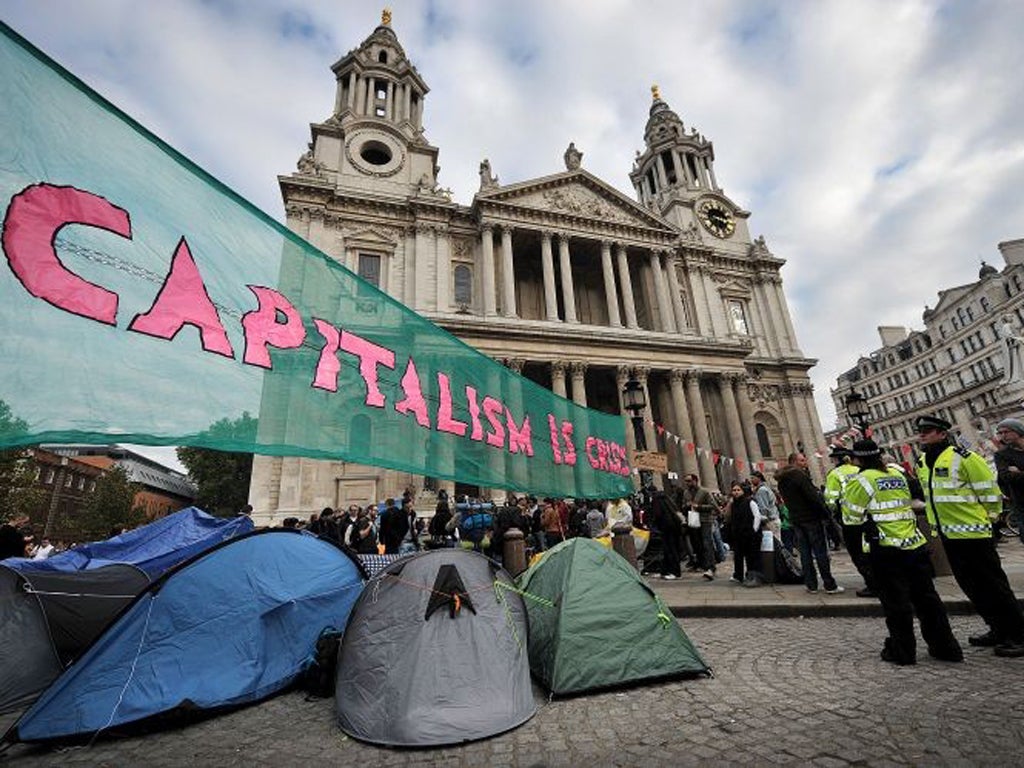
column 785, row 692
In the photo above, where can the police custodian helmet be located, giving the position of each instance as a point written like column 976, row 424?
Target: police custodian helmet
column 928, row 423
column 866, row 448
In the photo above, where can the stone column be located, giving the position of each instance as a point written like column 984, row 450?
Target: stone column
column 771, row 339
column 684, row 429
column 708, row 478
column 676, row 296
column 739, row 384
column 352, row 84
column 579, row 383
column 792, row 418
column 611, row 295
column 508, row 275
column 390, row 110
column 780, row 315
column 628, row 302
column 558, row 377
column 659, row 165
column 664, row 308
column 359, row 97
column 487, row 249
column 548, row 265
column 371, row 94
column 444, row 268
column 407, row 97
column 732, row 419
column 695, row 274
column 784, row 312
column 680, row 174
column 568, row 292
column 424, row 234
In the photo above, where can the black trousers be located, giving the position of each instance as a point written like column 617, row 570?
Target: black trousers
column 905, row 588
column 978, row 571
column 670, row 552
column 745, row 552
column 852, row 537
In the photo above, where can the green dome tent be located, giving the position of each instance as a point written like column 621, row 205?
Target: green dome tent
column 595, row 623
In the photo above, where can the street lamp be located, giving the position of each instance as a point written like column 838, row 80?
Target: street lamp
column 857, row 410
column 634, row 402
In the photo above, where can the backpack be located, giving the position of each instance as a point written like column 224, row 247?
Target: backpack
column 473, row 527
column 318, row 677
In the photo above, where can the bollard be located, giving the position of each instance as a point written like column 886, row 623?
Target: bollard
column 767, row 557
column 514, row 552
column 622, row 542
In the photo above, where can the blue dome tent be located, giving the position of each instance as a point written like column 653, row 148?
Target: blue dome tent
column 231, row 626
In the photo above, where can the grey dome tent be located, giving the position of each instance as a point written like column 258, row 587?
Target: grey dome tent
column 435, row 653
column 48, row 618
column 595, row 623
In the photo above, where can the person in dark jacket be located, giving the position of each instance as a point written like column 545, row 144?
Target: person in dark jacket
column 364, row 540
column 745, row 536
column 807, row 516
column 665, row 519
column 12, row 538
column 393, row 529
column 1010, row 467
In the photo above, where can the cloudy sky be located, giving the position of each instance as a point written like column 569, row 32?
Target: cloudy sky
column 878, row 145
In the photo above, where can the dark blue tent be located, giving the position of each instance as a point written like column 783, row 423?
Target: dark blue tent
column 231, row 626
column 153, row 548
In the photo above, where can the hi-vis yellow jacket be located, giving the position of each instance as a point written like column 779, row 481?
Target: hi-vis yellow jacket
column 835, row 484
column 884, row 497
column 961, row 494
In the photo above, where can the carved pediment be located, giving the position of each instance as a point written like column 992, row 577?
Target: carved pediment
column 369, row 237
column 576, row 194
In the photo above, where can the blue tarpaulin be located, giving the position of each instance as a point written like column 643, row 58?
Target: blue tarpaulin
column 153, row 548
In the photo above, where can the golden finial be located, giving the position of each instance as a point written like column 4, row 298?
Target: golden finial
column 656, row 92
column 385, row 17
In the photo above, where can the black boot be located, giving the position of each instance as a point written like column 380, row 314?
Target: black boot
column 987, row 640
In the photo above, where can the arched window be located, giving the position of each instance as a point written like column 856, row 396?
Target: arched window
column 762, row 439
column 463, row 285
column 382, row 57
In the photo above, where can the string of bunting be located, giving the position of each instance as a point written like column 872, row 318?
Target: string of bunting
column 846, row 439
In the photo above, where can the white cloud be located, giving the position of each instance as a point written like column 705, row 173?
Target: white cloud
column 877, row 143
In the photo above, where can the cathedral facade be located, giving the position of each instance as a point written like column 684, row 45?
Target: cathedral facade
column 563, row 278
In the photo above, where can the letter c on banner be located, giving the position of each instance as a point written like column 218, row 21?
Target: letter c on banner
column 34, row 217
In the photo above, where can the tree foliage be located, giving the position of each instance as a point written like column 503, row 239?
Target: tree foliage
column 221, row 476
column 18, row 496
column 111, row 505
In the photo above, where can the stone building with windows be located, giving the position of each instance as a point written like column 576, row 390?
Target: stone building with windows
column 563, row 278
column 956, row 367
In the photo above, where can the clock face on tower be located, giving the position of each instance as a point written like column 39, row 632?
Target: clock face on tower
column 716, row 218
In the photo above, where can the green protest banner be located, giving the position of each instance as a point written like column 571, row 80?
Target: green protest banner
column 145, row 302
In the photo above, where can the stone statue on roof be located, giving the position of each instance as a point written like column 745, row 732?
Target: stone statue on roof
column 487, row 179
column 572, row 157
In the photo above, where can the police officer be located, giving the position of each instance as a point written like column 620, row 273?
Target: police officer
column 962, row 501
column 835, row 483
column 877, row 501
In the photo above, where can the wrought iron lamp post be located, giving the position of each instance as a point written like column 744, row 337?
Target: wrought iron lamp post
column 634, row 402
column 858, row 412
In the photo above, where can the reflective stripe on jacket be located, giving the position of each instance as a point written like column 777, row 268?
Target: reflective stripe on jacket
column 885, row 498
column 835, row 486
column 961, row 494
